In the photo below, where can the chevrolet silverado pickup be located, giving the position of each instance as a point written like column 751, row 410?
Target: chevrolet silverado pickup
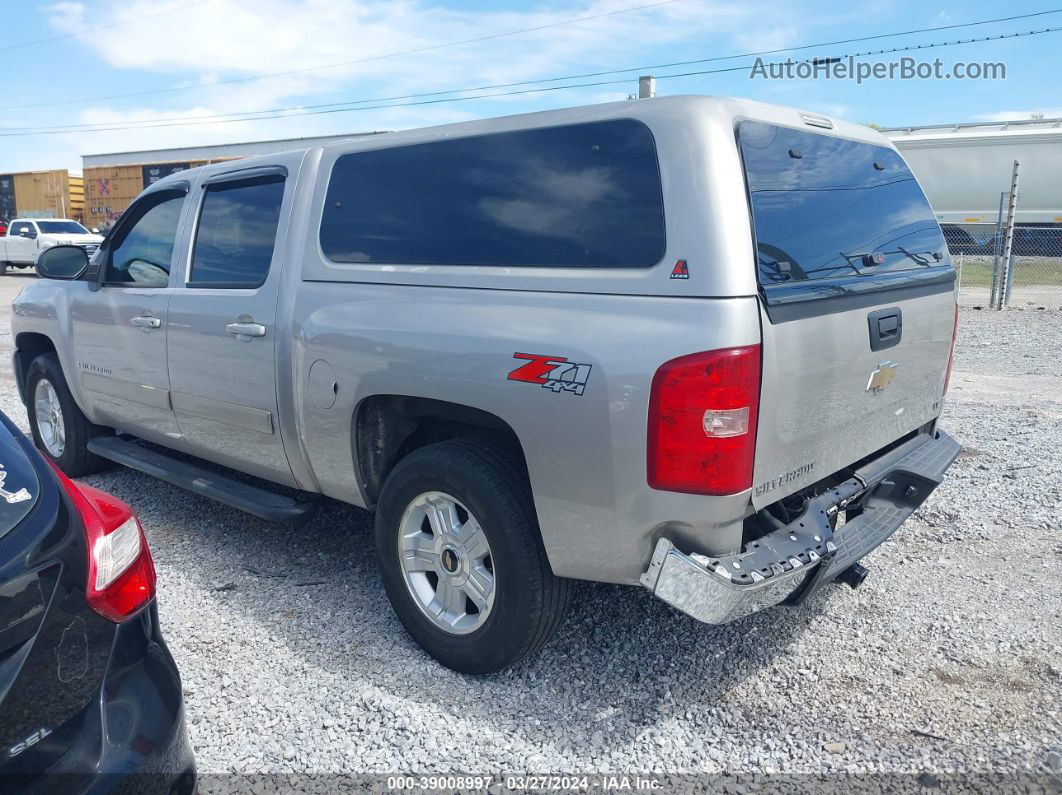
column 690, row 344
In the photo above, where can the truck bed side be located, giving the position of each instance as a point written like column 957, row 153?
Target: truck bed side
column 585, row 453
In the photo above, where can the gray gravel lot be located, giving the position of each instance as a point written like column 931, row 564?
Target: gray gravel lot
column 293, row 662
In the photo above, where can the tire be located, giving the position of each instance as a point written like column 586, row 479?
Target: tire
column 3, row 268
column 489, row 487
column 72, row 456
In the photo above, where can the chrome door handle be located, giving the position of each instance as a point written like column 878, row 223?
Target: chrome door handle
column 246, row 329
column 146, row 321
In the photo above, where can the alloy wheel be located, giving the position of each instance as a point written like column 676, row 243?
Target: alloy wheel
column 49, row 414
column 446, row 562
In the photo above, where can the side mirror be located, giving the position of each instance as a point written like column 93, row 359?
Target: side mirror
column 94, row 231
column 25, row 232
column 62, row 262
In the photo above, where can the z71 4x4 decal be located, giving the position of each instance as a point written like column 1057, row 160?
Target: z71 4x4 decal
column 551, row 372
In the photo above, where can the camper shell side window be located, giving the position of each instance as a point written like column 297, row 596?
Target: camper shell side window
column 580, row 195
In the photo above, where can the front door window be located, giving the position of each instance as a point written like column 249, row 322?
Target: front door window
column 140, row 253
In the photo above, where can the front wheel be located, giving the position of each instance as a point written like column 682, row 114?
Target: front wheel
column 60, row 430
column 461, row 559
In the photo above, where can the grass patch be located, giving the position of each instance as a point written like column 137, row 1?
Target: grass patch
column 1027, row 273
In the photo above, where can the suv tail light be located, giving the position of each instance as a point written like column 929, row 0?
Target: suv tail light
column 702, row 422
column 951, row 353
column 121, row 574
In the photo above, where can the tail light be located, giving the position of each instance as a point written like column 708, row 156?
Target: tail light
column 951, row 353
column 702, row 422
column 121, row 574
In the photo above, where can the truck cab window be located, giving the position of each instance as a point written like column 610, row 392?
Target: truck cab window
column 141, row 250
column 236, row 233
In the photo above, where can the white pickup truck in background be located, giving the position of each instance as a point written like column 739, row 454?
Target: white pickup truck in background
column 27, row 237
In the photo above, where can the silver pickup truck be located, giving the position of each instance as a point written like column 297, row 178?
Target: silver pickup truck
column 697, row 345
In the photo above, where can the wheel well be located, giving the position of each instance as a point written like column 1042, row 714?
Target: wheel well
column 388, row 427
column 28, row 346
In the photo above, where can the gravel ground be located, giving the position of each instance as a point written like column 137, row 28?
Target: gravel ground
column 948, row 661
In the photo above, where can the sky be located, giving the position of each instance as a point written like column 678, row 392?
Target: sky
column 171, row 63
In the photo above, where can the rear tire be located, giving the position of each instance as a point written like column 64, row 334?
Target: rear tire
column 60, row 431
column 480, row 595
column 3, row 268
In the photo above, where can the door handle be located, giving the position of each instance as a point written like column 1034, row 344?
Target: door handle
column 146, row 321
column 246, row 329
column 886, row 328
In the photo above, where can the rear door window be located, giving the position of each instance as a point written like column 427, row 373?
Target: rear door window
column 236, row 233
column 827, row 209
column 584, row 195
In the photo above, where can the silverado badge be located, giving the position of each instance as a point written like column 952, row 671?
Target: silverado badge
column 881, row 377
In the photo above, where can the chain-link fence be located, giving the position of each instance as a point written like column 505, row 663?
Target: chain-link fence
column 1035, row 274
column 1036, row 263
column 976, row 251
column 1006, row 261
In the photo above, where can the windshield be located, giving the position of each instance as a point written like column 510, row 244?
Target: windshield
column 62, row 228
column 827, row 207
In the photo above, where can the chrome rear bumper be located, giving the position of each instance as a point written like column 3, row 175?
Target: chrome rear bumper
column 703, row 591
column 794, row 561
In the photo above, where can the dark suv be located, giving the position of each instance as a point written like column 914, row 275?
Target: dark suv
column 90, row 698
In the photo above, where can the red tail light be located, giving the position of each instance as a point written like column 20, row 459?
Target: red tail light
column 951, row 353
column 702, row 422
column 121, row 574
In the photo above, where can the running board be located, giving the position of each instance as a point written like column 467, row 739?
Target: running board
column 204, row 482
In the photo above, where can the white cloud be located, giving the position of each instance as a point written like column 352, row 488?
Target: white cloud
column 237, row 39
column 244, row 38
column 66, row 17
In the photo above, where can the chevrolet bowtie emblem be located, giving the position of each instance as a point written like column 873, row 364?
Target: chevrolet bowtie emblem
column 881, row 377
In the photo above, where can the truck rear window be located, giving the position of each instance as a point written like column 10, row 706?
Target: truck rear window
column 826, row 208
column 579, row 195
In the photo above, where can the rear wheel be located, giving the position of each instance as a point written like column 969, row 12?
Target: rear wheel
column 60, row 430
column 461, row 558
column 3, row 268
